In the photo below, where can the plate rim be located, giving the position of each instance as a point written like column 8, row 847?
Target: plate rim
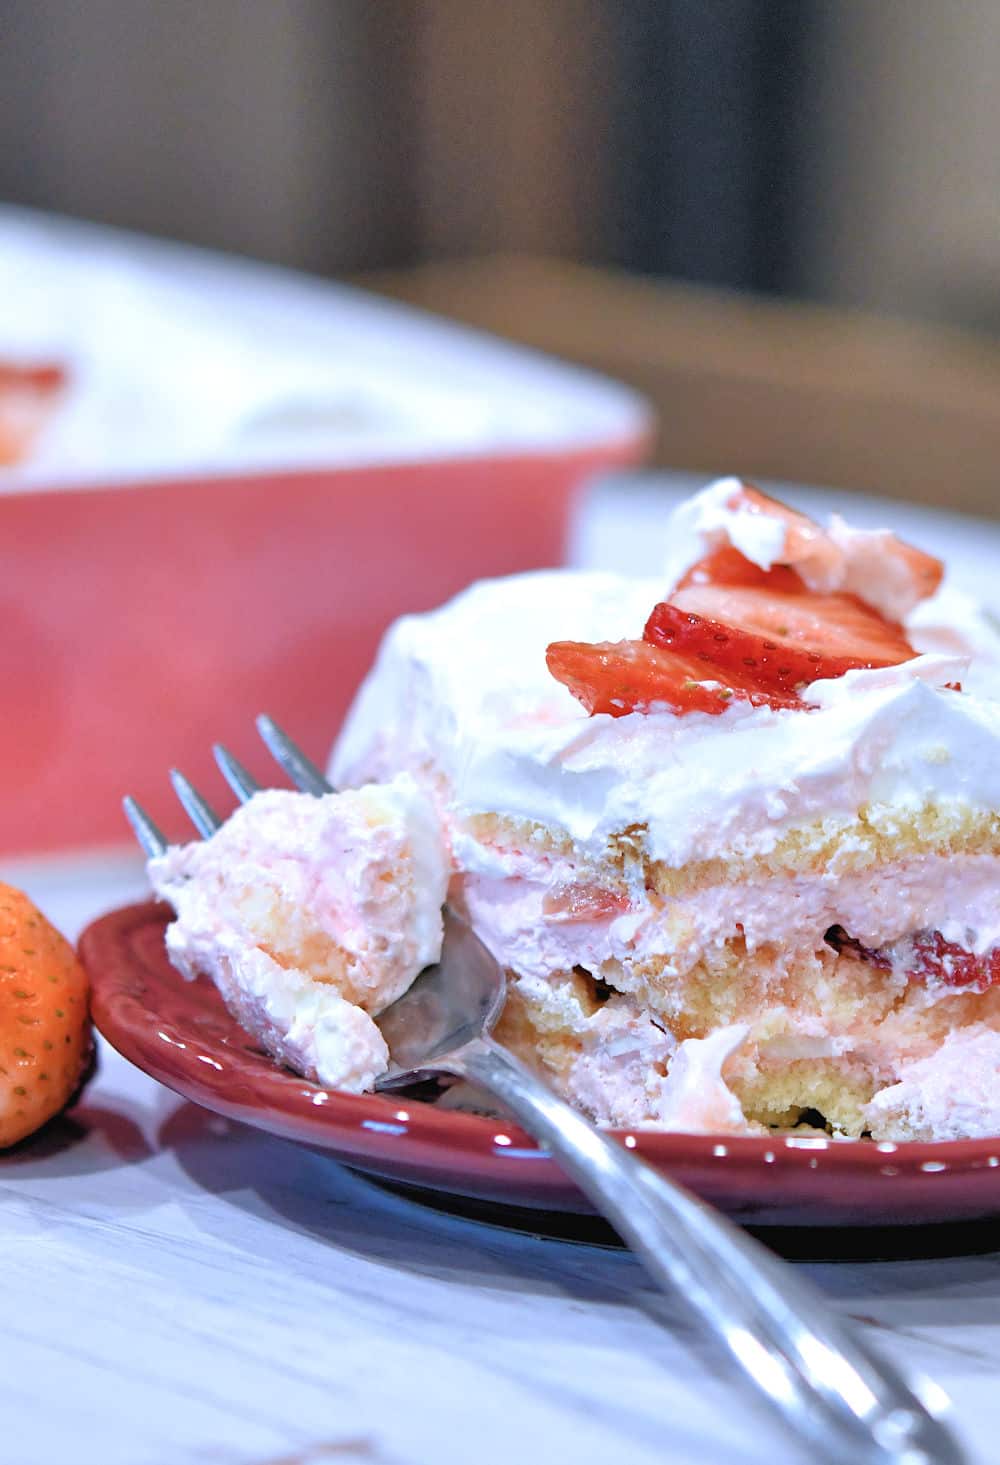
column 431, row 1125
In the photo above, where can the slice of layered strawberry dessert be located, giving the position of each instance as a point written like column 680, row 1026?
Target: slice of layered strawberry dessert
column 734, row 833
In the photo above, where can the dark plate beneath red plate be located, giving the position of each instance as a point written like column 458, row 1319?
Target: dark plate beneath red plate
column 180, row 1033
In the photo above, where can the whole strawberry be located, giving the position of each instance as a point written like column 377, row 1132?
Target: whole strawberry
column 45, row 1041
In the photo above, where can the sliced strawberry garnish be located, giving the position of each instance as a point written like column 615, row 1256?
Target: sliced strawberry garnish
column 924, row 571
column 776, row 666
column 619, row 677
column 927, row 956
column 876, row 566
column 732, row 630
column 843, row 631
column 726, row 566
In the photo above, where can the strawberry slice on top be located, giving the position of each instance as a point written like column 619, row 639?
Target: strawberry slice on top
column 875, row 565
column 619, row 677
column 714, row 644
column 727, row 566
column 734, row 631
column 777, row 666
column 784, row 638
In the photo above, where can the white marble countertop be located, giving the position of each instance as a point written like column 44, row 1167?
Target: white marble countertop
column 185, row 1291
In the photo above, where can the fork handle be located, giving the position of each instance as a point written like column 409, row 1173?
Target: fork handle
column 851, row 1406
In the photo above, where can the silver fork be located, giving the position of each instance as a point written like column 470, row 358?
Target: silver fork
column 834, row 1392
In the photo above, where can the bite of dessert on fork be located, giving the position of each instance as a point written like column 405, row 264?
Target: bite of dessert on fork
column 311, row 915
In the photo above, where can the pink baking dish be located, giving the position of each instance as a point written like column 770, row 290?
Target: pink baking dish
column 159, row 590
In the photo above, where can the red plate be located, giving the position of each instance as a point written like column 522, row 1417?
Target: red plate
column 180, row 1033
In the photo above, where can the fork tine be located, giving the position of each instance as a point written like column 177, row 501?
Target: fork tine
column 201, row 814
column 300, row 769
column 152, row 841
column 242, row 783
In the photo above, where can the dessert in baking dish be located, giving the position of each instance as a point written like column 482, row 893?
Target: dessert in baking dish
column 733, row 833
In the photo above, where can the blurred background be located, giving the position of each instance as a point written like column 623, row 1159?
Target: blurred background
column 779, row 220
column 837, row 150
column 639, row 185
column 828, row 148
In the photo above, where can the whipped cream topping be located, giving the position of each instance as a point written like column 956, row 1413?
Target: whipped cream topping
column 312, row 916
column 462, row 695
column 709, row 519
column 836, row 558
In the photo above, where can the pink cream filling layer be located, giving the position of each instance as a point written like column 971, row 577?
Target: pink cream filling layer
column 630, row 1071
column 876, row 906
